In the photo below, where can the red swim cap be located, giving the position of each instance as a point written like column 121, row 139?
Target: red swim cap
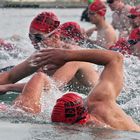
column 121, row 46
column 135, row 34
column 69, row 109
column 135, row 11
column 98, row 7
column 45, row 22
column 71, row 30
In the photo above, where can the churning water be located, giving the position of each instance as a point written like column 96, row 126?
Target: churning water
column 14, row 25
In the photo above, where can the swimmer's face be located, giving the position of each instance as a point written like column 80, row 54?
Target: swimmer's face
column 93, row 16
column 42, row 40
column 114, row 4
column 53, row 41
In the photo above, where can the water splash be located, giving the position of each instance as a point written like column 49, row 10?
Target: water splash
column 128, row 99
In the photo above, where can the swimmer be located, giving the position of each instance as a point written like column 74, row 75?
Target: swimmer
column 120, row 21
column 134, row 16
column 106, row 35
column 130, row 45
column 72, row 74
column 99, row 108
column 44, row 22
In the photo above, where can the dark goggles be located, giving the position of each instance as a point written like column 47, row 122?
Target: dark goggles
column 133, row 42
column 40, row 37
column 36, row 37
column 110, row 1
column 132, row 16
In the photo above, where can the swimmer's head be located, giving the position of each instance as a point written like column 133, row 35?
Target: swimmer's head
column 69, row 109
column 45, row 22
column 134, row 36
column 122, row 46
column 71, row 31
column 134, row 16
column 134, row 12
column 41, row 26
column 116, row 5
column 97, row 7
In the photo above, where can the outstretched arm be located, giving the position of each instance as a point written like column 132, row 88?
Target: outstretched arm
column 111, row 60
column 18, row 72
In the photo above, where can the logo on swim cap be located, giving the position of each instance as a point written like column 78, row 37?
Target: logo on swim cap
column 98, row 7
column 45, row 22
column 71, row 30
column 69, row 109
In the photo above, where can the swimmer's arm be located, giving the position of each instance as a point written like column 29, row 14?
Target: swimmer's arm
column 111, row 38
column 87, row 74
column 17, row 73
column 29, row 99
column 66, row 73
column 11, row 87
column 110, row 59
column 61, row 56
column 90, row 31
column 69, row 70
column 113, row 71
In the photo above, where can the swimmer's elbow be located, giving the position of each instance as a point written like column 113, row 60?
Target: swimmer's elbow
column 118, row 57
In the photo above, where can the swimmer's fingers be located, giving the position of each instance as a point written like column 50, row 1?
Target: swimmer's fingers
column 35, row 59
column 50, row 56
column 41, row 60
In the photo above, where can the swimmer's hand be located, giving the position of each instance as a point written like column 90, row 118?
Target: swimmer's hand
column 56, row 57
column 33, row 60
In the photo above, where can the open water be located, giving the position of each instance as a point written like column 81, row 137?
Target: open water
column 14, row 25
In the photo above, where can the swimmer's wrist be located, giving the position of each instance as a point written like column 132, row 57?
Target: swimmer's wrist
column 68, row 55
